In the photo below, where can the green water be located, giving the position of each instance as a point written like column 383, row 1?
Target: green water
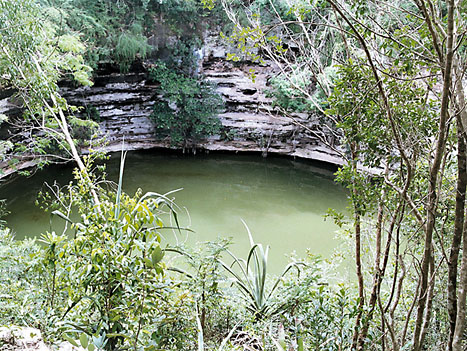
column 282, row 201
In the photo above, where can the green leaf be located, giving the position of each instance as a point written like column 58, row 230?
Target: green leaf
column 157, row 255
column 83, row 339
column 148, row 262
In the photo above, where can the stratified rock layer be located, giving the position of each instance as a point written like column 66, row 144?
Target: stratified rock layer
column 124, row 103
column 250, row 123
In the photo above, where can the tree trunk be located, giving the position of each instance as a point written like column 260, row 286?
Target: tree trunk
column 358, row 260
column 376, row 278
column 461, row 303
column 418, row 338
column 458, row 229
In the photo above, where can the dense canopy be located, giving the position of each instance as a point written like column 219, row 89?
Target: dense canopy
column 380, row 83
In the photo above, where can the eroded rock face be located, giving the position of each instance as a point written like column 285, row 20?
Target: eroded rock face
column 254, row 123
column 124, row 103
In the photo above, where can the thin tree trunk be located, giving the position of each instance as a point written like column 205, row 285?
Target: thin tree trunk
column 458, row 229
column 358, row 260
column 418, row 337
column 399, row 213
column 429, row 301
column 461, row 303
column 63, row 124
column 358, row 263
column 390, row 326
column 376, row 278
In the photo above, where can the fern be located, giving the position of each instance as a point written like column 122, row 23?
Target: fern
column 131, row 45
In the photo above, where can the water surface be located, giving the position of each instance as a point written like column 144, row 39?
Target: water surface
column 282, row 201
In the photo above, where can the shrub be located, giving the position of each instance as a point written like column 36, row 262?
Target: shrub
column 319, row 313
column 107, row 280
column 186, row 111
column 131, row 44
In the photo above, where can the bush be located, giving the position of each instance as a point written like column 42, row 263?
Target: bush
column 186, row 111
column 107, row 280
column 22, row 291
column 317, row 312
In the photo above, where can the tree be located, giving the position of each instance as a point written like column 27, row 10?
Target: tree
column 32, row 61
column 395, row 100
column 187, row 110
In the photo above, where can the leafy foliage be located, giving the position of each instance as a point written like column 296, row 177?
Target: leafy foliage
column 130, row 45
column 363, row 118
column 115, row 31
column 21, row 288
column 105, row 280
column 320, row 313
column 288, row 93
column 34, row 57
column 118, row 31
column 187, row 109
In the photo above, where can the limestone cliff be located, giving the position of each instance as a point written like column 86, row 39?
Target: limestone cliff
column 123, row 103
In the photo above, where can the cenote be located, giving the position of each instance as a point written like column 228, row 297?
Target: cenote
column 283, row 201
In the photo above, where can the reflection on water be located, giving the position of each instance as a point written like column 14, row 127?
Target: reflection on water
column 282, row 201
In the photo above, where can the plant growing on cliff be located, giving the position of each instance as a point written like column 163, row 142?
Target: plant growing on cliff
column 131, row 44
column 186, row 109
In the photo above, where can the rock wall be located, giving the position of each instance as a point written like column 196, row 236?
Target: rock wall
column 124, row 104
column 255, row 124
